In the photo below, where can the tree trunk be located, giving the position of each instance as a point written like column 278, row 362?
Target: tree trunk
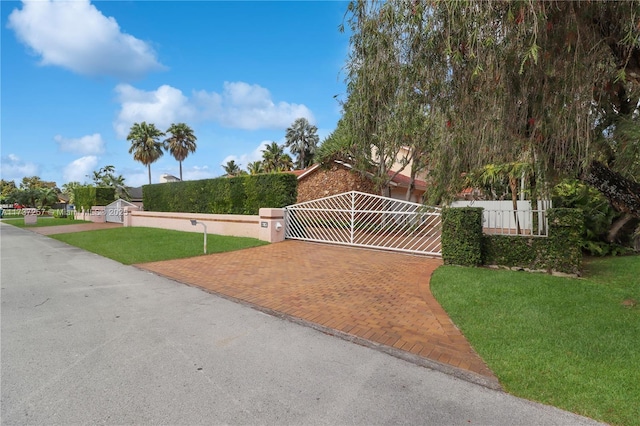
column 623, row 193
column 616, row 227
column 410, row 189
column 412, row 183
column 180, row 171
column 149, row 168
column 513, row 185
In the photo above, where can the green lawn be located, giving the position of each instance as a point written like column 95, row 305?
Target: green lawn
column 42, row 221
column 140, row 245
column 569, row 342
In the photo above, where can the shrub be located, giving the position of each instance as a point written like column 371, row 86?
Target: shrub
column 464, row 244
column 236, row 195
column 88, row 196
column 598, row 215
column 462, row 236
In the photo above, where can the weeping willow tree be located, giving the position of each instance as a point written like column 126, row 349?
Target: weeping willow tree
column 386, row 120
column 555, row 84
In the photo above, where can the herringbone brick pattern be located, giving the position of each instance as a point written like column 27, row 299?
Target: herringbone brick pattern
column 379, row 296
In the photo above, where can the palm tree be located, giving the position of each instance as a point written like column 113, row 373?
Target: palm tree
column 231, row 168
column 285, row 163
column 145, row 146
column 106, row 177
column 302, row 140
column 47, row 197
column 68, row 190
column 255, row 167
column 181, row 143
column 271, row 157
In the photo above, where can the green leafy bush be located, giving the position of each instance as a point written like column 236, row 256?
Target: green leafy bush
column 559, row 252
column 236, row 195
column 463, row 242
column 105, row 196
column 85, row 197
column 598, row 215
column 462, row 236
column 59, row 213
column 88, row 196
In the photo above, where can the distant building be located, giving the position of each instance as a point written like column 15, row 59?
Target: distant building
column 136, row 196
column 168, row 178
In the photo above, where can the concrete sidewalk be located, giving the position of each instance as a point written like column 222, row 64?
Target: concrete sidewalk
column 79, row 227
column 375, row 298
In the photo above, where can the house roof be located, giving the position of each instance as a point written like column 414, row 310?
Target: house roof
column 301, row 174
column 404, row 181
column 398, row 180
column 136, row 193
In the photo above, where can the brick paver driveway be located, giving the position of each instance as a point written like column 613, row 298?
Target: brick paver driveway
column 377, row 296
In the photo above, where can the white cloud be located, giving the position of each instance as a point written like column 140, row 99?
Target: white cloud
column 197, row 173
column 239, row 106
column 77, row 36
column 136, row 179
column 86, row 145
column 161, row 107
column 249, row 106
column 77, row 170
column 244, row 159
column 13, row 168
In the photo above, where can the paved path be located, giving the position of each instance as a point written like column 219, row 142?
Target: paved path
column 364, row 295
column 79, row 227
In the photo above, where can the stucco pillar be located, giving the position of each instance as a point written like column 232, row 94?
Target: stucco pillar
column 126, row 215
column 271, row 225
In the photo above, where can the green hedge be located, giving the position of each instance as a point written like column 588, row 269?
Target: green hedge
column 105, row 196
column 89, row 196
column 462, row 236
column 565, row 239
column 236, row 195
column 515, row 251
column 559, row 252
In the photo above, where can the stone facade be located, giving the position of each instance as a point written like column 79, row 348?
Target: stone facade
column 322, row 183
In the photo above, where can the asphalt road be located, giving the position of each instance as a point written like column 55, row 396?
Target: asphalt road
column 85, row 340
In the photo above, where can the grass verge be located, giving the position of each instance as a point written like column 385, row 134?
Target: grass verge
column 140, row 245
column 568, row 342
column 43, row 221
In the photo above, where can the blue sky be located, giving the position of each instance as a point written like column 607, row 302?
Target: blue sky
column 77, row 74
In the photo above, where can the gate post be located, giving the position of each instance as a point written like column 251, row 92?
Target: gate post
column 353, row 218
column 271, row 225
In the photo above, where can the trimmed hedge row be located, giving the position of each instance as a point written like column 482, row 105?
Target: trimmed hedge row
column 463, row 242
column 236, row 195
column 462, row 236
column 88, row 196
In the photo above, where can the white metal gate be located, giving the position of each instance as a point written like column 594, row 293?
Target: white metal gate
column 114, row 212
column 365, row 220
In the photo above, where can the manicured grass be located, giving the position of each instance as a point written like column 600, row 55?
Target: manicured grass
column 140, row 245
column 569, row 342
column 43, row 221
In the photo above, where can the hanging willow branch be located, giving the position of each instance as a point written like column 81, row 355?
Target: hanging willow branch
column 549, row 81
